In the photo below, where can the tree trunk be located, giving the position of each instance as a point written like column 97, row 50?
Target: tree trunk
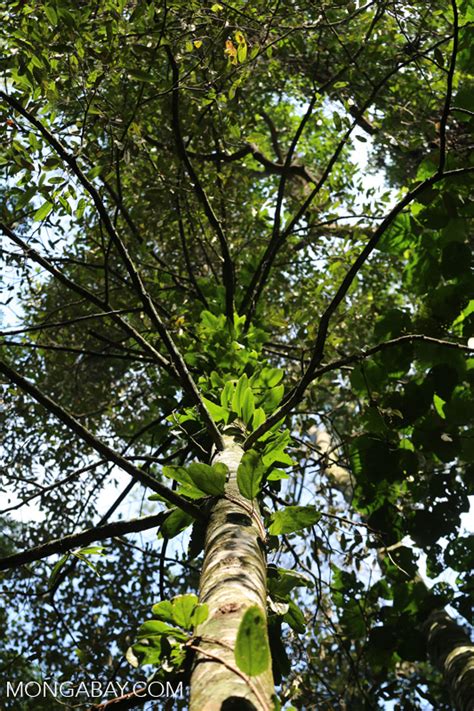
column 233, row 578
column 340, row 477
column 449, row 647
column 452, row 652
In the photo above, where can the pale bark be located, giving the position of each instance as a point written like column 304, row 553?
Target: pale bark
column 233, row 578
column 340, row 477
column 452, row 652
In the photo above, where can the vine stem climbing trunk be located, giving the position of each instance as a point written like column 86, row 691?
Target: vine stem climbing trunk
column 233, row 578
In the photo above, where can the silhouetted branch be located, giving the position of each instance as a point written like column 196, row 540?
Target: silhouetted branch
column 78, row 540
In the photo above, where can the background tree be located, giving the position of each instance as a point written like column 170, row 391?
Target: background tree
column 198, row 269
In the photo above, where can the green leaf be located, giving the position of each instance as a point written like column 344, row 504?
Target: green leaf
column 250, row 473
column 174, row 523
column 252, row 651
column 271, row 376
column 276, row 455
column 141, row 75
column 293, row 518
column 218, row 413
column 227, row 394
column 259, row 418
column 200, row 614
column 281, row 581
column 187, row 612
column 272, row 398
column 87, row 562
column 183, row 609
column 91, row 550
column 187, row 487
column 147, row 654
column 242, row 52
column 439, row 56
column 439, row 404
column 248, row 406
column 209, row 479
column 163, row 610
column 157, row 628
column 50, row 13
column 277, row 474
column 237, row 398
column 295, row 618
column 56, row 570
column 26, row 196
column 43, row 211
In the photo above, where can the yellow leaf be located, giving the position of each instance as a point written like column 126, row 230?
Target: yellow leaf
column 198, row 43
column 231, row 51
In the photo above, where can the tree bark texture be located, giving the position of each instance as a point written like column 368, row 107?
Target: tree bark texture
column 233, row 578
column 452, row 652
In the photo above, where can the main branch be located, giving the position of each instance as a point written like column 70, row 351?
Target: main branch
column 103, row 449
column 76, row 540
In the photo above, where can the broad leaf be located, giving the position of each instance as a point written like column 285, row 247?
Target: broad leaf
column 293, row 518
column 249, row 474
column 218, row 413
column 163, row 611
column 174, row 523
column 252, row 651
column 209, row 479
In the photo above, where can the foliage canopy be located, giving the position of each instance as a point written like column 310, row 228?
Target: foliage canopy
column 191, row 245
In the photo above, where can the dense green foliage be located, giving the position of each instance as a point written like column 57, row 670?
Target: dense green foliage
column 190, row 243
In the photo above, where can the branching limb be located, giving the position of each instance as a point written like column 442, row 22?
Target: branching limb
column 55, row 485
column 271, row 167
column 294, row 396
column 189, row 266
column 279, row 238
column 228, row 276
column 449, row 90
column 78, row 540
column 103, row 449
column 177, row 368
column 67, row 322
column 148, row 305
column 33, row 254
column 80, row 351
column 367, row 352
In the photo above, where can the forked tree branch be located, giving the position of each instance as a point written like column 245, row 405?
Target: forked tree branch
column 228, row 276
column 103, row 449
column 66, row 322
column 149, row 307
column 386, row 345
column 279, row 238
column 33, row 254
column 296, row 394
column 449, row 90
